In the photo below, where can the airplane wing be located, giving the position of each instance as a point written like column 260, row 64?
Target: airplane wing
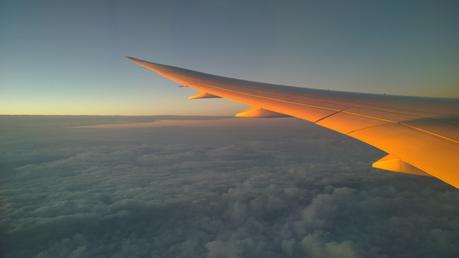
column 419, row 135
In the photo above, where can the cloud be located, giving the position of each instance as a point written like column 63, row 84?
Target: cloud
column 267, row 190
column 315, row 248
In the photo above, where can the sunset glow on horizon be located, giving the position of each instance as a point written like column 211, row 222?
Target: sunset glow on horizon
column 229, row 128
column 68, row 58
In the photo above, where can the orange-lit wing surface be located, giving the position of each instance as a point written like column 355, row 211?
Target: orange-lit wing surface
column 420, row 135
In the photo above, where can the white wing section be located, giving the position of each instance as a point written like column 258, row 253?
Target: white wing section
column 421, row 135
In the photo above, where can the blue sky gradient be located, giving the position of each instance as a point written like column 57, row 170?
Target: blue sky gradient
column 67, row 57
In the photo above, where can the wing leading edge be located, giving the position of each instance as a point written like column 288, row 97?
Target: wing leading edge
column 420, row 135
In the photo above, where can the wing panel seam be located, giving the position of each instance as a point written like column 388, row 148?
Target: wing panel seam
column 428, row 132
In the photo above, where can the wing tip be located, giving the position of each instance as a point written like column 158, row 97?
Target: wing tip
column 138, row 60
column 146, row 64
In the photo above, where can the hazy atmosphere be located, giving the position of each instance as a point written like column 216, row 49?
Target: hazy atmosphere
column 64, row 57
column 102, row 158
column 217, row 188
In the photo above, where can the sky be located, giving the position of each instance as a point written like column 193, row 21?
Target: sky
column 268, row 188
column 68, row 57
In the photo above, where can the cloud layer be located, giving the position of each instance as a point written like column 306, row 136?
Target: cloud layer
column 277, row 188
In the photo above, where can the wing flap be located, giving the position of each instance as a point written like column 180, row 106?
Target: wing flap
column 429, row 153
